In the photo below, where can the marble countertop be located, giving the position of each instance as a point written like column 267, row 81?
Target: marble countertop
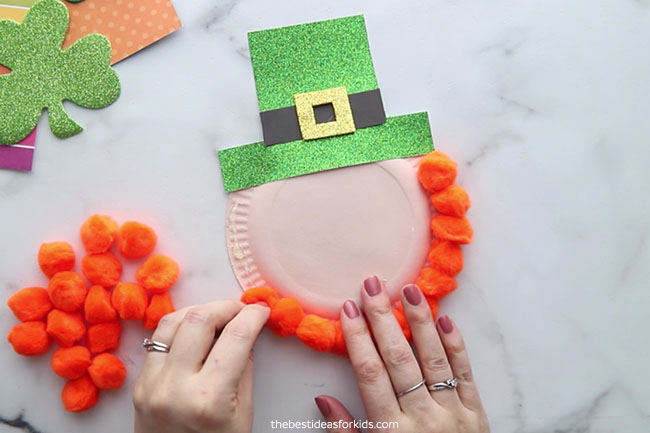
column 544, row 105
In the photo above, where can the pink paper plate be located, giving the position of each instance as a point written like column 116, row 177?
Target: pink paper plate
column 317, row 237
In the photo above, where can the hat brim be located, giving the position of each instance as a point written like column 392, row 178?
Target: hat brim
column 255, row 164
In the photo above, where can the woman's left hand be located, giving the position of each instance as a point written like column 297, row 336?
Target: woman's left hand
column 396, row 386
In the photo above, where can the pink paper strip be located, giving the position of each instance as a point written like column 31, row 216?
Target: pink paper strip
column 19, row 156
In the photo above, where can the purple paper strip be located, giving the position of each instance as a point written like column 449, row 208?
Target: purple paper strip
column 19, row 156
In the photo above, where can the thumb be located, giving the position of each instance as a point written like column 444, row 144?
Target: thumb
column 335, row 412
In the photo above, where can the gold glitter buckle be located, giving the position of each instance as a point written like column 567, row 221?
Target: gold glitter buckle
column 343, row 122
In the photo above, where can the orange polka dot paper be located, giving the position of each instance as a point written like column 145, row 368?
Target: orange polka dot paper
column 130, row 25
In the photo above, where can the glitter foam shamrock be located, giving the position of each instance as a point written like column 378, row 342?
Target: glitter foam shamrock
column 43, row 76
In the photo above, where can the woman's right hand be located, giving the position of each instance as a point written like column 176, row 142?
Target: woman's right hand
column 204, row 384
column 388, row 366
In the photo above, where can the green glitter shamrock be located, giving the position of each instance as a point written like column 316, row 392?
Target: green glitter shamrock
column 43, row 76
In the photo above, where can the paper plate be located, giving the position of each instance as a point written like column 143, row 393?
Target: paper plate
column 317, row 237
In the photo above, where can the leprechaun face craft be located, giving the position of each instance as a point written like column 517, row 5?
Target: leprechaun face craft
column 336, row 191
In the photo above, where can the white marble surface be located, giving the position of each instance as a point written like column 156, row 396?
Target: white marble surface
column 544, row 105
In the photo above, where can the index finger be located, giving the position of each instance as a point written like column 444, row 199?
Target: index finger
column 230, row 354
column 164, row 333
column 195, row 335
column 374, row 384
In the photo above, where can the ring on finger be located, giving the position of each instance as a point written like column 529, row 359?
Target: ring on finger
column 411, row 389
column 447, row 384
column 155, row 346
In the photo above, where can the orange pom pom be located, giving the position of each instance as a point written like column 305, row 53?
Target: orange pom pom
column 285, row 317
column 401, row 319
column 260, row 294
column 65, row 328
column 130, row 301
column 102, row 269
column 30, row 303
column 98, row 307
column 107, row 371
column 339, row 346
column 316, row 332
column 98, row 234
column 159, row 306
column 29, row 338
column 434, row 283
column 446, row 256
column 437, row 171
column 452, row 229
column 55, row 257
column 70, row 362
column 452, row 201
column 79, row 394
column 136, row 240
column 67, row 291
column 157, row 274
column 104, row 336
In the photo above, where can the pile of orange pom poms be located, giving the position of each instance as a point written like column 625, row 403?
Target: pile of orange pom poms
column 450, row 229
column 72, row 314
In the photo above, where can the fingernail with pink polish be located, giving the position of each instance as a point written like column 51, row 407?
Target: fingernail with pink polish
column 446, row 324
column 323, row 405
column 351, row 310
column 372, row 285
column 412, row 294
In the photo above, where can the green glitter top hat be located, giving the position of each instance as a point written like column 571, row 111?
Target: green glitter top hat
column 309, row 57
column 320, row 106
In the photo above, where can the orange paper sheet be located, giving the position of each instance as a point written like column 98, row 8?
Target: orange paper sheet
column 130, row 25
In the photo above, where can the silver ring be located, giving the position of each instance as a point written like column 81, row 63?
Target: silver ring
column 411, row 389
column 155, row 346
column 447, row 384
